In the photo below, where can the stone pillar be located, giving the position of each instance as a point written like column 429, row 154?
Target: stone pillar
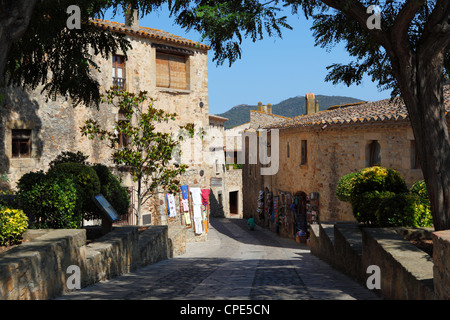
column 441, row 259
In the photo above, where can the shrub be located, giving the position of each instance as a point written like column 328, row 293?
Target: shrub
column 88, row 185
column 422, row 216
column 378, row 179
column 29, row 180
column 13, row 223
column 68, row 156
column 112, row 190
column 344, row 187
column 52, row 203
column 365, row 205
column 397, row 210
column 367, row 188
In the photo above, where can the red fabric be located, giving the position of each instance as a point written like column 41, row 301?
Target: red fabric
column 205, row 196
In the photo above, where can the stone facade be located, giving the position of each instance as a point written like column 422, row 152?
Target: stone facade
column 317, row 149
column 55, row 125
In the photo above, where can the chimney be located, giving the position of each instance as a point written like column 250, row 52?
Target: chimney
column 132, row 18
column 310, row 103
column 260, row 106
column 269, row 108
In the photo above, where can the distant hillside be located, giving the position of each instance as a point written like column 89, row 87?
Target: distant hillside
column 290, row 108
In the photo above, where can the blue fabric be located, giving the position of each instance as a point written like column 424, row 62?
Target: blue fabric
column 184, row 192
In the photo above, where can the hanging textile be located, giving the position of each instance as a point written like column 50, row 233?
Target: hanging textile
column 185, row 204
column 184, row 192
column 205, row 202
column 260, row 209
column 171, row 205
column 197, row 207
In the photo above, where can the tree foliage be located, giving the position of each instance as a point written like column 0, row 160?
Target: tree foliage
column 148, row 153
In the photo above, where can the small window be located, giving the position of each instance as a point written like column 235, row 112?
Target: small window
column 171, row 71
column 118, row 72
column 373, row 154
column 414, row 154
column 304, row 152
column 21, row 143
column 288, row 150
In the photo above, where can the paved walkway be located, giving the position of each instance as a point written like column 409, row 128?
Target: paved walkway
column 234, row 263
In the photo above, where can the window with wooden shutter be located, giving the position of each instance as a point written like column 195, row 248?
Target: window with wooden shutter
column 171, row 71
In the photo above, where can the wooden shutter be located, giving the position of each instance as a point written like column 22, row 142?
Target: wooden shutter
column 162, row 70
column 177, row 72
column 171, row 71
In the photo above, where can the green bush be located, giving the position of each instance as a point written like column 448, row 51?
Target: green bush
column 68, row 156
column 378, row 179
column 51, row 203
column 367, row 188
column 397, row 210
column 365, row 206
column 29, row 180
column 344, row 187
column 13, row 223
column 422, row 216
column 88, row 185
column 112, row 190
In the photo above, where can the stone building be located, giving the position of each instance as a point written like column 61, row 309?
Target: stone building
column 173, row 70
column 317, row 149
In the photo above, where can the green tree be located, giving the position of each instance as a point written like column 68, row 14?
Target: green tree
column 148, row 152
column 409, row 53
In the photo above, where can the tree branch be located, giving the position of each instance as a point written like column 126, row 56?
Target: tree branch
column 436, row 34
column 356, row 10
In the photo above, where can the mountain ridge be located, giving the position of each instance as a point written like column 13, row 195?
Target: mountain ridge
column 290, row 107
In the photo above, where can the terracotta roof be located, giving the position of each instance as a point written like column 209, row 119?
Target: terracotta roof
column 370, row 112
column 148, row 33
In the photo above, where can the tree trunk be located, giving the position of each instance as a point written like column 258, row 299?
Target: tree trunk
column 14, row 19
column 422, row 91
column 139, row 202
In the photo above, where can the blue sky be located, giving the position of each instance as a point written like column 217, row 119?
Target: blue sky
column 270, row 70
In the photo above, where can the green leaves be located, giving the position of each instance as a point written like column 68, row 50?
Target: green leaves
column 149, row 152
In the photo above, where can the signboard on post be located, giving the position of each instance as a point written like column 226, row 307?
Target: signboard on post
column 109, row 214
column 106, row 208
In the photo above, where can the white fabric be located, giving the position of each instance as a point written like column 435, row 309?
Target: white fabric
column 197, row 207
column 171, row 205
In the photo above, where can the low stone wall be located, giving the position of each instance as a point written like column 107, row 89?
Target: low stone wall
column 37, row 269
column 406, row 271
column 441, row 257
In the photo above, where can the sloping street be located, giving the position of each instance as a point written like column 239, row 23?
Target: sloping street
column 234, row 263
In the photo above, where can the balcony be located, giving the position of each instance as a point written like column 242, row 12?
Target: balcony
column 119, row 84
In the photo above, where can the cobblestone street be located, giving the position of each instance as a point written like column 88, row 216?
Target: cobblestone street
column 234, row 263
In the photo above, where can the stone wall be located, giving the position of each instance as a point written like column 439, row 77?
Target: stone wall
column 37, row 269
column 56, row 124
column 406, row 272
column 331, row 154
column 441, row 257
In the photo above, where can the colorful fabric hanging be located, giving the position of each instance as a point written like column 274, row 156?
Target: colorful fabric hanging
column 171, row 205
column 197, row 207
column 184, row 192
column 205, row 196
